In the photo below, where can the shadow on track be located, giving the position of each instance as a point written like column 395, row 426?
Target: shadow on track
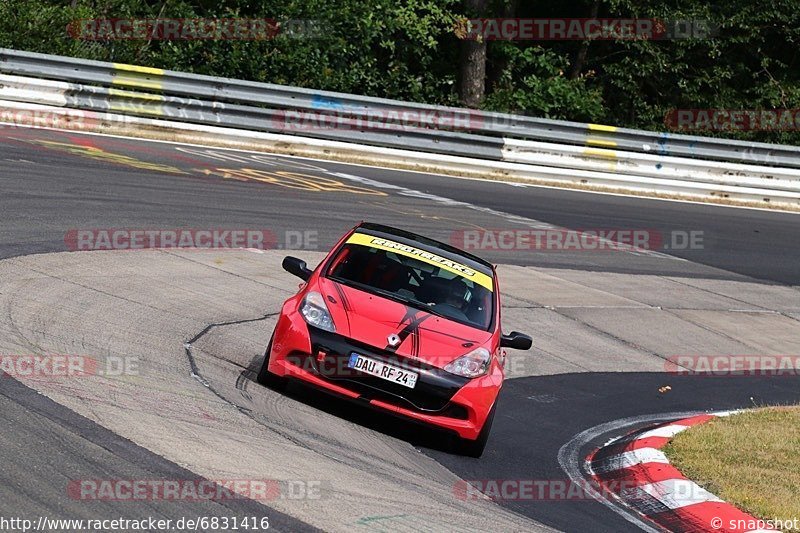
column 537, row 415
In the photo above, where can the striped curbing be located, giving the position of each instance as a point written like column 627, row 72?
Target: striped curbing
column 634, row 471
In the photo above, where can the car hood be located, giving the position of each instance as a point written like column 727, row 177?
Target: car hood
column 371, row 319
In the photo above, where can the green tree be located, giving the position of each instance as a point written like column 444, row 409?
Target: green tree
column 412, row 50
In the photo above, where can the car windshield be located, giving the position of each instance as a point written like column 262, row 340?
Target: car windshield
column 425, row 281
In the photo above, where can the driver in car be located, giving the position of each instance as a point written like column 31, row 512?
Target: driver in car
column 455, row 299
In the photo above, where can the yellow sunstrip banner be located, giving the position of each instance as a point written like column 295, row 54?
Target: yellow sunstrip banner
column 423, row 255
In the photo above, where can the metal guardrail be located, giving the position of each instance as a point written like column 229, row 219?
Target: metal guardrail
column 584, row 154
column 225, row 90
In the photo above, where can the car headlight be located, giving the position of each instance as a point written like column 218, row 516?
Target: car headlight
column 316, row 312
column 472, row 365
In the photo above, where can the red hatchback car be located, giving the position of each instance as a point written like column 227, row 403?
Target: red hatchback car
column 406, row 324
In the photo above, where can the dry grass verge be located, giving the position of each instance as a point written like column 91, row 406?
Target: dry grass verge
column 751, row 460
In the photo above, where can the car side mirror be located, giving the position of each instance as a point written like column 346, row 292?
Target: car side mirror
column 296, row 266
column 516, row 340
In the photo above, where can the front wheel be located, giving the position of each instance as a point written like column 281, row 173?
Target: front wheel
column 267, row 378
column 474, row 448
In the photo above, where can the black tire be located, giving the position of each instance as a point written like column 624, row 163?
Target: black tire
column 267, row 378
column 474, row 448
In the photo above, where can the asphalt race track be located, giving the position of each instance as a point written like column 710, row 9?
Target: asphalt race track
column 605, row 325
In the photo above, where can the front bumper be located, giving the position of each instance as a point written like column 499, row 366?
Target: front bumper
column 440, row 399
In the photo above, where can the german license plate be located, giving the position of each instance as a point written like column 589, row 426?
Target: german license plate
column 381, row 370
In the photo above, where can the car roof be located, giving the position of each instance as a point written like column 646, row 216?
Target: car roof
column 413, row 239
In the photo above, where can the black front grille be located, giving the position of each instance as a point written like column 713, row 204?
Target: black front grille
column 433, row 391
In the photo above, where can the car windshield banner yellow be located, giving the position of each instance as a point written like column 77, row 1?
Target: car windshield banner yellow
column 423, row 255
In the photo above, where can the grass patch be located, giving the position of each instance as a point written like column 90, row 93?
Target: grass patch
column 751, row 460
